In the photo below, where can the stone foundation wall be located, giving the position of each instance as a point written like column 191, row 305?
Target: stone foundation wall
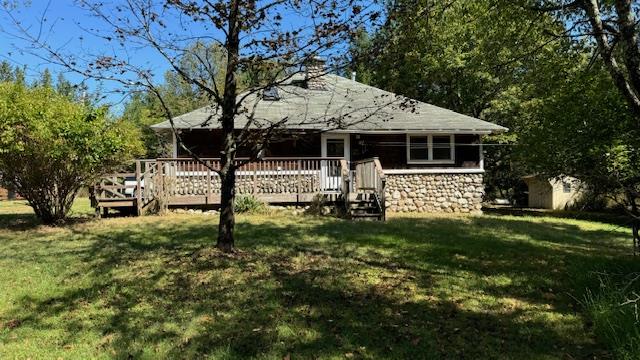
column 282, row 184
column 460, row 193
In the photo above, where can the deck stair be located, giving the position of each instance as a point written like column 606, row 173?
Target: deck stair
column 365, row 201
column 365, row 206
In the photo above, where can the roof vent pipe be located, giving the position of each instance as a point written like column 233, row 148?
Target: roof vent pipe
column 353, row 76
column 315, row 70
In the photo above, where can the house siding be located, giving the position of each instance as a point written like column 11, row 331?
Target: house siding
column 208, row 143
column 391, row 150
column 563, row 200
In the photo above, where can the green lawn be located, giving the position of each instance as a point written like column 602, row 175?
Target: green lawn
column 301, row 287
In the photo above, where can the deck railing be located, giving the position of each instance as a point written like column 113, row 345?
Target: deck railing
column 268, row 176
column 187, row 181
column 369, row 176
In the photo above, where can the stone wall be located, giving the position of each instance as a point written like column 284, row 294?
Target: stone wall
column 460, row 193
column 281, row 184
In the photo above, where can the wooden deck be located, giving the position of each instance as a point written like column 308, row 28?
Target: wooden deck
column 186, row 182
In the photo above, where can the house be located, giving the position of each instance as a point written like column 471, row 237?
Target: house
column 341, row 136
column 552, row 193
column 8, row 194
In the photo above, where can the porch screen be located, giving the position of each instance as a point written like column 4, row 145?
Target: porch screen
column 419, row 148
column 441, row 147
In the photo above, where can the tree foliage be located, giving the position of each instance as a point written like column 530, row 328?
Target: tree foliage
column 145, row 108
column 268, row 40
column 488, row 59
column 586, row 130
column 612, row 27
column 599, row 105
column 52, row 146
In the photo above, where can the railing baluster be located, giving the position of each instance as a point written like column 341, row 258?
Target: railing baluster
column 177, row 178
column 298, row 187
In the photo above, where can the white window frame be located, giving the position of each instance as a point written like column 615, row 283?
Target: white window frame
column 347, row 144
column 430, row 149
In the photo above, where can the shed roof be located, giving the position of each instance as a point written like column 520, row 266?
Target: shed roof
column 344, row 104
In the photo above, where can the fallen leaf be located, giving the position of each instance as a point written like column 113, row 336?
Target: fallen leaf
column 12, row 324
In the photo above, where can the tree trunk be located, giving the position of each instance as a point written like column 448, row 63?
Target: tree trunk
column 606, row 52
column 227, row 223
column 227, row 192
column 627, row 25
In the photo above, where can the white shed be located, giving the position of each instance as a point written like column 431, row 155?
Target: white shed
column 555, row 194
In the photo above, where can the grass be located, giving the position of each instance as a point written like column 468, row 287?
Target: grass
column 613, row 306
column 301, row 287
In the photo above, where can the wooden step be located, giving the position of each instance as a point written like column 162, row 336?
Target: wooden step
column 364, row 207
column 354, row 197
column 377, row 216
column 362, row 212
column 115, row 203
column 359, row 205
column 367, row 207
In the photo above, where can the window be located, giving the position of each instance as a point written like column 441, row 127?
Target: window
column 566, row 187
column 335, row 147
column 419, row 148
column 430, row 149
column 441, row 147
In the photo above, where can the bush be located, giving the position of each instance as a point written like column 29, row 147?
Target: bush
column 592, row 199
column 249, row 204
column 615, row 319
column 319, row 207
column 51, row 147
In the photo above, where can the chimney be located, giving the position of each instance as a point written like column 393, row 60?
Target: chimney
column 315, row 69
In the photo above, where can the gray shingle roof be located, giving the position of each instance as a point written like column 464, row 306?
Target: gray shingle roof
column 343, row 104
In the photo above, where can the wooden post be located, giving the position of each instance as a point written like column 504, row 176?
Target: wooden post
column 255, row 179
column 138, row 189
column 208, row 185
column 481, row 155
column 162, row 191
column 299, row 187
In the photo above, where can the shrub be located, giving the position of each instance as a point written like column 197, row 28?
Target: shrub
column 51, row 146
column 615, row 318
column 320, row 207
column 249, row 204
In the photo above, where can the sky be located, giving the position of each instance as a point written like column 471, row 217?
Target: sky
column 66, row 27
